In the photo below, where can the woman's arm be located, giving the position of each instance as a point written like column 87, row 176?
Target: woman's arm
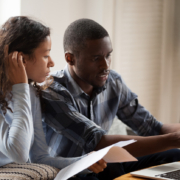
column 16, row 137
column 16, row 129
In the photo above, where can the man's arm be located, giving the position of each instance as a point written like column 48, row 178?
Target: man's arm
column 61, row 115
column 137, row 117
column 170, row 128
column 158, row 137
column 67, row 119
column 144, row 145
column 74, row 120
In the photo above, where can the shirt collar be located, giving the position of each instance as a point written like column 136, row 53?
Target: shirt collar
column 74, row 88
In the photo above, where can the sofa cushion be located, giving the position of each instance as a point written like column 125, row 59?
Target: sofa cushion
column 27, row 171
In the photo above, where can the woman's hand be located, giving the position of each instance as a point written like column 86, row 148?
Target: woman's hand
column 16, row 69
column 98, row 166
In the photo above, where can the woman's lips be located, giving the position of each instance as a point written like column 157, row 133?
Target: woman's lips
column 47, row 74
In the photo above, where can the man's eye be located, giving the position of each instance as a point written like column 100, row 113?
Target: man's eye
column 109, row 55
column 95, row 59
column 46, row 56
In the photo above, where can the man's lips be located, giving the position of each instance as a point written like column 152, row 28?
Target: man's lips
column 103, row 77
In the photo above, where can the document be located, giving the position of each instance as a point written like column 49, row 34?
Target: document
column 111, row 154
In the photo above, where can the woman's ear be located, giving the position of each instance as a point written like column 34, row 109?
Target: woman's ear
column 25, row 58
column 69, row 58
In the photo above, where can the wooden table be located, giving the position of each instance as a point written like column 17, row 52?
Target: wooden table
column 129, row 177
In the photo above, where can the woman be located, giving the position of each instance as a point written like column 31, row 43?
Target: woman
column 25, row 58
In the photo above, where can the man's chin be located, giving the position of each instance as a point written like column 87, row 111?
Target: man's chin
column 99, row 85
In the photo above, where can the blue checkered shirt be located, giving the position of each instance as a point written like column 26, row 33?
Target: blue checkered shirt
column 74, row 122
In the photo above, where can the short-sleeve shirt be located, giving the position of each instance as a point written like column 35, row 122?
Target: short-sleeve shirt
column 74, row 122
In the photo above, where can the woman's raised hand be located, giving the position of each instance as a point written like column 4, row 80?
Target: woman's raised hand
column 16, row 69
column 98, row 166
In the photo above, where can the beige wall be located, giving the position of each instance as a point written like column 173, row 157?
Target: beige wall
column 58, row 14
column 9, row 8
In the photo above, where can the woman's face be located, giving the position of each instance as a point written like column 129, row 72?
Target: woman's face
column 38, row 68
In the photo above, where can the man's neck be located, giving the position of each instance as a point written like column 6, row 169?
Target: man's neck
column 87, row 88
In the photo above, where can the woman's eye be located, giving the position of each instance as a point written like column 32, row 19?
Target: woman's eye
column 46, row 56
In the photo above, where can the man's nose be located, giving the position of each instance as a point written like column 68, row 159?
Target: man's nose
column 105, row 63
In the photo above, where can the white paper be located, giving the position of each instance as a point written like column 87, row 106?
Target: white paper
column 112, row 153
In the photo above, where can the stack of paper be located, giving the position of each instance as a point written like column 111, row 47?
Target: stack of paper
column 111, row 154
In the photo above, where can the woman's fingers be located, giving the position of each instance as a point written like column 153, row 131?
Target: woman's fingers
column 16, row 69
column 102, row 163
column 9, row 60
column 14, row 59
column 98, row 166
column 95, row 168
column 20, row 61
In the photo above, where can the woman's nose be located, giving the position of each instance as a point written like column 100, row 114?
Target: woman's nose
column 51, row 62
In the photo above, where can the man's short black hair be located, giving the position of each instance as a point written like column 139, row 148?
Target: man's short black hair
column 81, row 30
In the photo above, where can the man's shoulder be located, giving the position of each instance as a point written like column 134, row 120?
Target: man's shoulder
column 60, row 77
column 60, row 81
column 58, row 88
column 57, row 73
column 114, row 74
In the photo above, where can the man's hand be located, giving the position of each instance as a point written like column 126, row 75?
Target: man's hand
column 98, row 166
column 16, row 70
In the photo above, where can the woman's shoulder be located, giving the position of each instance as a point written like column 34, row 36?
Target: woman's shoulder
column 33, row 95
column 32, row 91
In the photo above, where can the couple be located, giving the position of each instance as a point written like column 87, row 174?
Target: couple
column 78, row 106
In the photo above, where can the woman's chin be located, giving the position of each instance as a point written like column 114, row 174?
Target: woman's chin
column 40, row 80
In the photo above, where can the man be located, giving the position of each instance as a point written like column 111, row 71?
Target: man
column 85, row 97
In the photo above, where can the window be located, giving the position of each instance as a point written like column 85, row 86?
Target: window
column 9, row 8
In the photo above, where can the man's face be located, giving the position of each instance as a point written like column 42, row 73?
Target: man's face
column 92, row 65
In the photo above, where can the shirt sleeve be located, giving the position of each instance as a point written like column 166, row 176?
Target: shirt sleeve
column 15, row 139
column 39, row 151
column 136, row 116
column 63, row 117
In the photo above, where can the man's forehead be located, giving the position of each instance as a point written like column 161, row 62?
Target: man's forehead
column 96, row 45
column 101, row 40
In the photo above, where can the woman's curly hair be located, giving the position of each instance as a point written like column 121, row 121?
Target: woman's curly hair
column 21, row 34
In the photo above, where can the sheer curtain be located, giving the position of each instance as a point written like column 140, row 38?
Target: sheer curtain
column 146, row 39
column 169, row 103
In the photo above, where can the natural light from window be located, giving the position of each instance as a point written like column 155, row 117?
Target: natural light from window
column 9, row 8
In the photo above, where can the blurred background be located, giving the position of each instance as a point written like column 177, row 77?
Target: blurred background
column 145, row 35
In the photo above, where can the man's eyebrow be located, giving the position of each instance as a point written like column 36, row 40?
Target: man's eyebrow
column 100, row 54
column 110, row 51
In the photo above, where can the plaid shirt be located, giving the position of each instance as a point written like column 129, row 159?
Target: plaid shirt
column 74, row 122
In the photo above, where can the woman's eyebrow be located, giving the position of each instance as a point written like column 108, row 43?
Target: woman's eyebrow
column 47, row 50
